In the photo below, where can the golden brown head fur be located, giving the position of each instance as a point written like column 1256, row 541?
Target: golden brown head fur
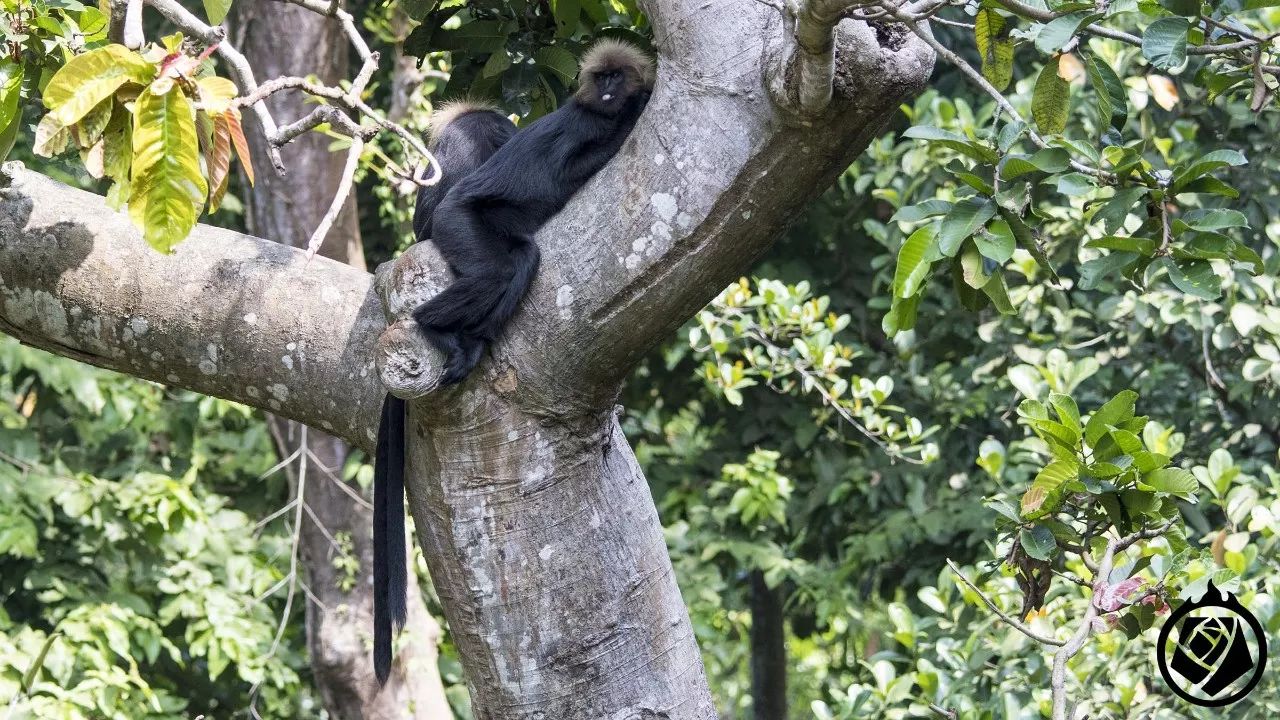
column 613, row 56
column 452, row 110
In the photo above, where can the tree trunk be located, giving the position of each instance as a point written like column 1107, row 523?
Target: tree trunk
column 284, row 209
column 542, row 537
column 768, row 651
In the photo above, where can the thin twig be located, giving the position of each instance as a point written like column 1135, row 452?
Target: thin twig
column 1068, row 650
column 339, row 197
column 1011, row 622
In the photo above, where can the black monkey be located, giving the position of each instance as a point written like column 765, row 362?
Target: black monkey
column 499, row 187
column 464, row 135
column 485, row 224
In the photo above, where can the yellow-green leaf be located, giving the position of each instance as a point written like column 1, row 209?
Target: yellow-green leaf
column 1051, row 100
column 216, row 10
column 168, row 189
column 216, row 94
column 51, row 137
column 89, row 130
column 994, row 47
column 10, row 90
column 90, row 78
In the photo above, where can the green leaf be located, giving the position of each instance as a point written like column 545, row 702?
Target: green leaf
column 1051, row 100
column 216, row 10
column 1174, row 481
column 90, row 78
column 1038, row 541
column 961, row 144
column 972, row 266
column 901, row 315
column 1048, row 160
column 915, row 259
column 559, row 62
column 1027, row 240
column 1068, row 413
column 1059, row 31
column 1139, row 246
column 478, row 36
column 996, row 241
column 964, row 219
column 1194, row 277
column 921, row 211
column 567, row 14
column 999, row 294
column 168, row 188
column 1164, row 43
column 1113, row 99
column 497, row 64
column 1113, row 412
column 1113, row 211
column 1045, row 494
column 1206, row 164
column 10, row 91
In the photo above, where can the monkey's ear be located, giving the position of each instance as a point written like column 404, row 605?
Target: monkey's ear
column 452, row 110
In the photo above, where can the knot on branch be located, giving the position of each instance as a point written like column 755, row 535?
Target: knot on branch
column 409, row 366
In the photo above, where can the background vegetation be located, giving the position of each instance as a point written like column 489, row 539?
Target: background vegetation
column 972, row 348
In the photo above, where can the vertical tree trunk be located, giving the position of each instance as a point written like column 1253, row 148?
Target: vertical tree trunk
column 280, row 39
column 768, row 651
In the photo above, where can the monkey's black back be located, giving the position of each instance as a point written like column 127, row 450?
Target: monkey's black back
column 461, row 147
column 532, row 176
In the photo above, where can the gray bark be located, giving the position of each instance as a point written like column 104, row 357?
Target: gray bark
column 339, row 627
column 542, row 538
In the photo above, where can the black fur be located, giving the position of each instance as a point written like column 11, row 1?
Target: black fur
column 498, row 188
column 460, row 147
column 485, row 224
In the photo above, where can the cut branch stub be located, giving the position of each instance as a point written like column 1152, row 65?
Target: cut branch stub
column 409, row 366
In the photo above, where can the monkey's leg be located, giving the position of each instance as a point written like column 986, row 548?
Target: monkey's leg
column 445, row 317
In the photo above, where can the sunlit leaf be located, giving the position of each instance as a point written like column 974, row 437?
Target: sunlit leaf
column 90, row 78
column 168, row 189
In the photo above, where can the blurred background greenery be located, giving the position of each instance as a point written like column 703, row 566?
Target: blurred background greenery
column 813, row 472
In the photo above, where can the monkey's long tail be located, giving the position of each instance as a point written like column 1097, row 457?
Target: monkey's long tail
column 390, row 580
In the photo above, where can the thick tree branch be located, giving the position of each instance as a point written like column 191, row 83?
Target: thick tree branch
column 226, row 314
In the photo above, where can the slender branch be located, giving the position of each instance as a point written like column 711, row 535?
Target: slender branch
column 1011, row 622
column 339, row 197
column 1068, row 650
column 1127, row 541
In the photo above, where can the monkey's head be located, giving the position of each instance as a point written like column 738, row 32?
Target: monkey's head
column 612, row 75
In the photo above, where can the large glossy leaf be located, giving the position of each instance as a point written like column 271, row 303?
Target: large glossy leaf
column 168, row 189
column 90, row 78
column 914, row 262
column 1113, row 412
column 1059, row 31
column 964, row 220
column 1113, row 99
column 1164, row 43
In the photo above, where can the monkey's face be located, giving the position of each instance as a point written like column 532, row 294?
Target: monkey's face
column 609, row 89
